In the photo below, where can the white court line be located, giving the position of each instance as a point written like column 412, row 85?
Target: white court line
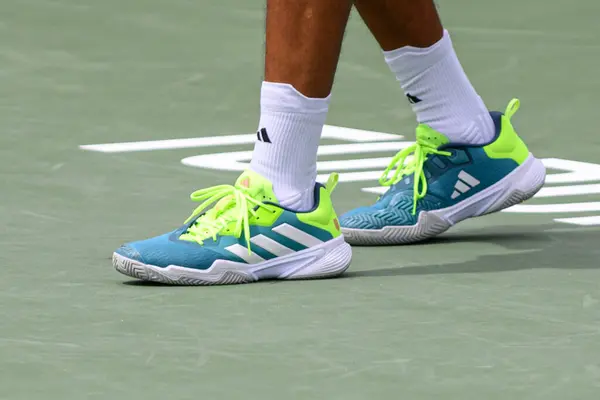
column 556, row 191
column 329, row 132
column 239, row 160
column 582, row 221
column 554, row 208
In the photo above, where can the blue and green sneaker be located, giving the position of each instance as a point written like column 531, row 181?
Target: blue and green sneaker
column 444, row 183
column 241, row 234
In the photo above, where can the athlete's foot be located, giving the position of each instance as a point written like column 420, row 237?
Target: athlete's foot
column 245, row 237
column 445, row 183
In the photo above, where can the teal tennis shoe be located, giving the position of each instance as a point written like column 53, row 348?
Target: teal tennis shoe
column 435, row 184
column 240, row 234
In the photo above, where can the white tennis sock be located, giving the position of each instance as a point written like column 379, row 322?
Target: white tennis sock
column 287, row 141
column 440, row 92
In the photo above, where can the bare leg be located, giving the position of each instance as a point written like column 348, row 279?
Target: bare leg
column 304, row 39
column 399, row 23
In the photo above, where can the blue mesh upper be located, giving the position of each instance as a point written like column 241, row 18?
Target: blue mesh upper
column 167, row 249
column 394, row 208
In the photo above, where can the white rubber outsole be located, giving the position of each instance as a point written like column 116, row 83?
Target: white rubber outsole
column 521, row 184
column 325, row 260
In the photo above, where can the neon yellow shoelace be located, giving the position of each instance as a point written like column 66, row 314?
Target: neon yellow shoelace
column 401, row 168
column 232, row 204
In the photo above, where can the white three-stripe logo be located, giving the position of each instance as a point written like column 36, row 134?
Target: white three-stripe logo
column 273, row 246
column 464, row 183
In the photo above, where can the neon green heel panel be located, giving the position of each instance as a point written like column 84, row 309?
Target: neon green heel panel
column 324, row 217
column 509, row 144
column 429, row 137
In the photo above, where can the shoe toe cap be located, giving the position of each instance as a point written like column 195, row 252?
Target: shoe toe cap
column 360, row 218
column 163, row 251
column 367, row 218
column 129, row 251
column 362, row 221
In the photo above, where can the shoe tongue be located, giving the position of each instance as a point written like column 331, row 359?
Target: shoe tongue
column 256, row 186
column 429, row 137
column 252, row 183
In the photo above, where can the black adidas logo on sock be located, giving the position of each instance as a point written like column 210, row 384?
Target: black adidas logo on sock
column 413, row 99
column 262, row 136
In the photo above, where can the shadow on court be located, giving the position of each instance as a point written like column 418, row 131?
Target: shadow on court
column 552, row 248
column 572, row 248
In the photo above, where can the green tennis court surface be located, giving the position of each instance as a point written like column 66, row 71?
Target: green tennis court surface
column 503, row 307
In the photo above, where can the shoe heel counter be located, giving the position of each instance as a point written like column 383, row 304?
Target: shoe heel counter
column 324, row 216
column 508, row 144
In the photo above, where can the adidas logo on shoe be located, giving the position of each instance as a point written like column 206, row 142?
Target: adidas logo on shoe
column 464, row 183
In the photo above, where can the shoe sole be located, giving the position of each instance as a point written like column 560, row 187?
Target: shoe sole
column 521, row 184
column 326, row 260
